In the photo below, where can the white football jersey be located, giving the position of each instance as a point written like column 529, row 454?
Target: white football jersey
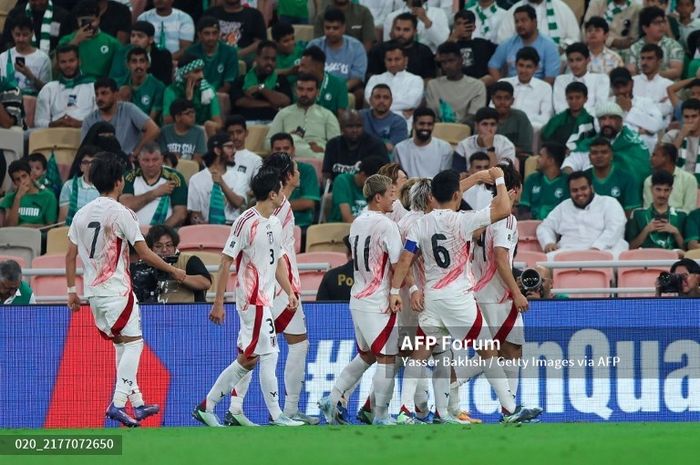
column 443, row 238
column 418, row 268
column 397, row 212
column 103, row 230
column 255, row 244
column 286, row 216
column 489, row 286
column 376, row 244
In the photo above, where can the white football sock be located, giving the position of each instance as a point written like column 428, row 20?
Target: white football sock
column 423, row 394
column 383, row 383
column 497, row 379
column 453, row 404
column 441, row 383
column 513, row 376
column 127, row 370
column 238, row 394
column 472, row 370
column 228, row 378
column 412, row 375
column 348, row 378
column 294, row 374
column 269, row 385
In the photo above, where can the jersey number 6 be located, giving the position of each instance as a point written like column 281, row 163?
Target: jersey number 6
column 440, row 253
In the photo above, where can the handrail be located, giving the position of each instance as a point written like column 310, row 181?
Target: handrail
column 210, row 296
column 62, row 271
column 610, row 264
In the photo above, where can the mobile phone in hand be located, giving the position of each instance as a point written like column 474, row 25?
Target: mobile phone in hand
column 19, row 61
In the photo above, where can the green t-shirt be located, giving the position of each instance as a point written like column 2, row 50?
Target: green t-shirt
column 619, row 184
column 293, row 8
column 287, row 61
column 308, row 189
column 541, row 194
column 186, row 145
column 333, row 93
column 148, row 96
column 219, row 68
column 39, row 208
column 630, row 153
column 96, row 54
column 346, row 191
column 564, row 128
column 692, row 227
column 658, row 240
column 203, row 112
column 25, row 295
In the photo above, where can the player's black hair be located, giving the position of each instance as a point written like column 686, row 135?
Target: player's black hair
column 406, row 17
column 371, row 165
column 38, row 156
column 315, row 53
column 578, row 47
column 106, row 82
column 137, row 51
column 670, row 151
column 662, row 178
column 19, row 165
column 207, row 21
column 598, row 141
column 235, row 120
column 281, row 30
column 528, row 54
column 597, row 22
column 578, row 175
column 510, row 175
column 106, row 170
column 281, row 136
column 502, row 86
column 531, row 13
column 159, row 230
column 444, row 185
column 486, row 113
column 576, row 88
column 691, row 104
column 263, row 45
column 282, row 162
column 655, row 49
column 267, row 180
column 334, row 15
column 556, row 151
column 649, row 14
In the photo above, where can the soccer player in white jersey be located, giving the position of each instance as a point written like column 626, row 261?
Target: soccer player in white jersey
column 443, row 239
column 100, row 234
column 255, row 243
column 288, row 321
column 496, row 290
column 398, row 178
column 376, row 245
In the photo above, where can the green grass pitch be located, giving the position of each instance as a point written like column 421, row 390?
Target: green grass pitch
column 542, row 444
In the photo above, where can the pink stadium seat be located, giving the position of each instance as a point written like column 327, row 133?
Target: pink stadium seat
column 317, row 163
column 21, row 261
column 297, row 239
column 203, row 237
column 527, row 236
column 310, row 280
column 53, row 285
column 576, row 278
column 646, row 276
column 530, row 257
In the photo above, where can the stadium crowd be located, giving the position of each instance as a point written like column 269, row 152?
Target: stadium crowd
column 597, row 104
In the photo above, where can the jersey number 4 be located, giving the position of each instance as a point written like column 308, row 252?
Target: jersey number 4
column 440, row 253
column 365, row 254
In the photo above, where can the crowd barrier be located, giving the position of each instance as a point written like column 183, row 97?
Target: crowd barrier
column 599, row 360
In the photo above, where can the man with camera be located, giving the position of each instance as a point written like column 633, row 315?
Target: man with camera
column 153, row 286
column 683, row 279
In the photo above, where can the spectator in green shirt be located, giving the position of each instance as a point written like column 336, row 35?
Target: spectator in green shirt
column 293, row 11
column 289, row 51
column 27, row 205
column 306, row 195
column 659, row 226
column 547, row 187
column 348, row 200
column 574, row 123
column 96, row 48
column 140, row 87
column 14, row 291
column 220, row 59
column 191, row 85
column 610, row 180
column 691, row 233
column 333, row 93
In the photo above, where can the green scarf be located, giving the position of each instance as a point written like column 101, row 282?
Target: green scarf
column 73, row 203
column 161, row 36
column 161, row 213
column 206, row 92
column 251, row 79
column 76, row 81
column 53, row 175
column 552, row 27
column 484, row 16
column 447, row 114
column 10, row 77
column 614, row 9
column 217, row 202
column 43, row 43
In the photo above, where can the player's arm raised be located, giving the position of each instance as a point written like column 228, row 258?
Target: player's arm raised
column 71, row 255
column 483, row 177
column 283, row 280
column 500, row 205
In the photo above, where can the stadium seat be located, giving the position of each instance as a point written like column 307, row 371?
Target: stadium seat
column 21, row 261
column 64, row 142
column 20, row 242
column 203, row 237
column 187, row 168
column 530, row 257
column 303, row 32
column 57, row 240
column 29, row 103
column 527, row 236
column 12, row 146
column 648, row 254
column 327, row 237
column 255, row 142
column 311, row 279
column 643, row 276
column 53, row 285
column 453, row 133
column 297, row 239
column 693, row 254
column 317, row 163
column 577, row 278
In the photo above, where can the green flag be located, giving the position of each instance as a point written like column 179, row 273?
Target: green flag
column 53, row 175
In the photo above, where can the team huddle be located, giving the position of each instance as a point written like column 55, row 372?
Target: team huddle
column 429, row 273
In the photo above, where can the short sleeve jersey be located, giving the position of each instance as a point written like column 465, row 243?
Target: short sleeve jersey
column 103, row 230
column 255, row 244
column 286, row 216
column 489, row 286
column 376, row 244
column 444, row 240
